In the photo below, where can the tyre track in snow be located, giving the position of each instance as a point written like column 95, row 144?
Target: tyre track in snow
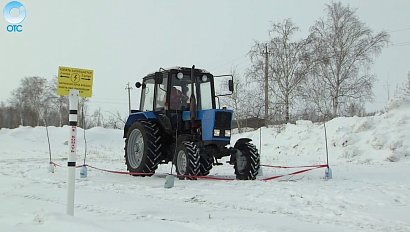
column 95, row 210
column 26, row 179
column 334, row 210
column 335, row 214
column 333, row 218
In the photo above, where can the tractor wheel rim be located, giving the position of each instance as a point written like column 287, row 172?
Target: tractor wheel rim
column 181, row 162
column 136, row 148
column 241, row 162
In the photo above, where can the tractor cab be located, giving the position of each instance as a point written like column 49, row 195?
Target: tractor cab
column 179, row 122
column 171, row 90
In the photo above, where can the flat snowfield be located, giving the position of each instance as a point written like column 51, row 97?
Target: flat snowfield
column 370, row 189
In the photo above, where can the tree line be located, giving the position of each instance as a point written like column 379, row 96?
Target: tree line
column 324, row 75
column 36, row 103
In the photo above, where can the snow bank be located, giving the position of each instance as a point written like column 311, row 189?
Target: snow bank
column 380, row 138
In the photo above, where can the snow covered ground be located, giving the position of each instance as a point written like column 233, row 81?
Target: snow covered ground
column 370, row 189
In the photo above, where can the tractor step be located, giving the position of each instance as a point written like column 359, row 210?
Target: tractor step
column 217, row 163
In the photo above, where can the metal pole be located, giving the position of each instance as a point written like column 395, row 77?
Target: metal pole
column 327, row 150
column 328, row 171
column 73, row 99
column 129, row 97
column 266, row 85
column 193, row 106
column 260, row 140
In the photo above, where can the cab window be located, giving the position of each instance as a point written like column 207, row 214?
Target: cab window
column 147, row 96
column 161, row 94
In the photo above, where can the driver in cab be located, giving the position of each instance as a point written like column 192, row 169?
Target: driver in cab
column 178, row 99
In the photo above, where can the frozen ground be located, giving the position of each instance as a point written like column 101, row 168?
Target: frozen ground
column 370, row 191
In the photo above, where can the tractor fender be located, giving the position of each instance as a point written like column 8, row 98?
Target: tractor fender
column 238, row 145
column 138, row 116
column 242, row 141
column 164, row 122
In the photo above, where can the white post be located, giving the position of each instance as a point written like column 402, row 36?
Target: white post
column 73, row 99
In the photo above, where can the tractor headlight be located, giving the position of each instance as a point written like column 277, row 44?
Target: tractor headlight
column 180, row 76
column 217, row 132
column 228, row 133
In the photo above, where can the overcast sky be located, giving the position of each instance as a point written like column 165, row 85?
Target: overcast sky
column 124, row 40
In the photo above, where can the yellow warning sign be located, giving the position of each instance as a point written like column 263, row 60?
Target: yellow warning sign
column 75, row 78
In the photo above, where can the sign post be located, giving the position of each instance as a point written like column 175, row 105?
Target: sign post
column 73, row 82
column 72, row 158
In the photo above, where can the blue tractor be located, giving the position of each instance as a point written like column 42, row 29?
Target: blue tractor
column 179, row 122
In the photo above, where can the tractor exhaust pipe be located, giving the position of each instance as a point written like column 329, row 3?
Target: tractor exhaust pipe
column 192, row 107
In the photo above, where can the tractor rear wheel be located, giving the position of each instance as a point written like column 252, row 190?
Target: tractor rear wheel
column 247, row 160
column 187, row 160
column 143, row 148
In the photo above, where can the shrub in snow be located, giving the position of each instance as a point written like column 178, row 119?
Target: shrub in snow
column 397, row 102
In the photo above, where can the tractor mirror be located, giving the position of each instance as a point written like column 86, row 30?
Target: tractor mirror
column 158, row 78
column 139, row 85
column 230, row 85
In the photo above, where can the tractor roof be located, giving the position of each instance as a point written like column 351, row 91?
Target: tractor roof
column 186, row 69
column 178, row 68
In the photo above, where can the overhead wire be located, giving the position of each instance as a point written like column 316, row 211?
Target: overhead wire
column 399, row 30
column 401, row 44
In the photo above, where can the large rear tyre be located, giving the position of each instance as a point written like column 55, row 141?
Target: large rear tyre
column 247, row 160
column 143, row 148
column 187, row 160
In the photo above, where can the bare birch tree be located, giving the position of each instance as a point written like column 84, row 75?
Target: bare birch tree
column 288, row 62
column 32, row 100
column 60, row 104
column 115, row 120
column 237, row 101
column 37, row 95
column 407, row 89
column 345, row 47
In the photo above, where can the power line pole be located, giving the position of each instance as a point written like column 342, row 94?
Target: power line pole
column 388, row 90
column 266, row 54
column 60, row 101
column 129, row 97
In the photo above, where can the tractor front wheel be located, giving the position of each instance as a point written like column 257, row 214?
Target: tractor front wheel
column 206, row 162
column 187, row 160
column 247, row 160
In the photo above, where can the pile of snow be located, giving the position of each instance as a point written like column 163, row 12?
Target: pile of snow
column 374, row 139
column 369, row 157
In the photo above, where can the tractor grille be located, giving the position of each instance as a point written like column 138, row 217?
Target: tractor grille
column 223, row 120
